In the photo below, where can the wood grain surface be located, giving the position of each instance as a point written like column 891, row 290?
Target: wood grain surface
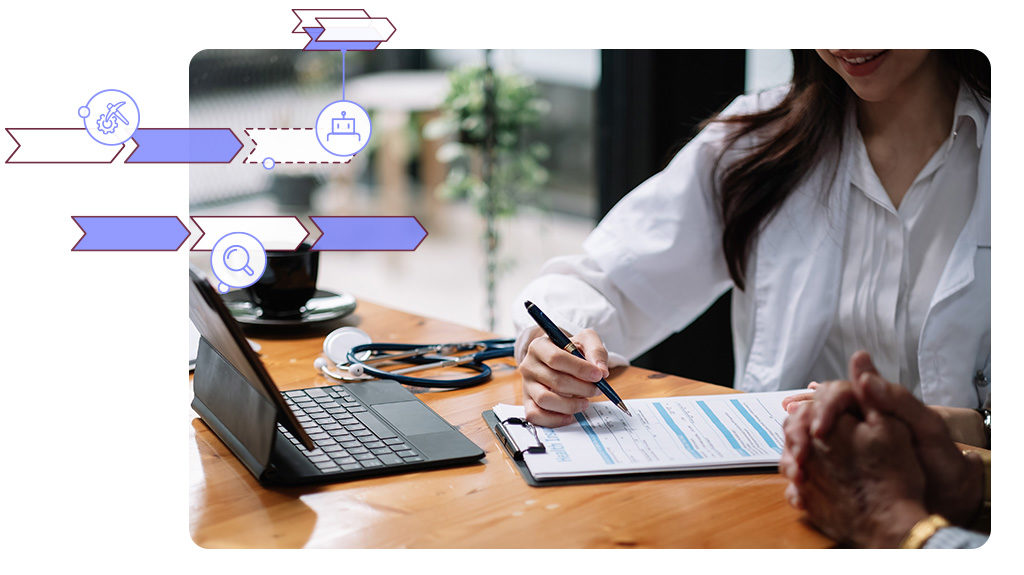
column 484, row 505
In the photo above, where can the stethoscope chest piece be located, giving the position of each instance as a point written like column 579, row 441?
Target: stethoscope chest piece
column 339, row 342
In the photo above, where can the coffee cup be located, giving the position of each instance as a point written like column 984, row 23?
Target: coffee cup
column 288, row 282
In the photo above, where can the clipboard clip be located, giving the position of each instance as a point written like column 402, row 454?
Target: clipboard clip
column 509, row 441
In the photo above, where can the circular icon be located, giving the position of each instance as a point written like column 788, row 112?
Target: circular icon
column 343, row 128
column 238, row 260
column 111, row 117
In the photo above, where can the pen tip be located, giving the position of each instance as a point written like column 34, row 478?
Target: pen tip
column 625, row 409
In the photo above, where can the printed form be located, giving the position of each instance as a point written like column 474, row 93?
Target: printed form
column 665, row 434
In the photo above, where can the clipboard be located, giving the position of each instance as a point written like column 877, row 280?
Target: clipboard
column 515, row 448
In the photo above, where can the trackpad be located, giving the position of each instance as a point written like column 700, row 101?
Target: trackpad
column 412, row 417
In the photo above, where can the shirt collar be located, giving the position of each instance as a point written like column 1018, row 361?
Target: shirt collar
column 970, row 106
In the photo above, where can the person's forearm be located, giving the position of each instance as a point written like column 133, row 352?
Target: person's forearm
column 965, row 425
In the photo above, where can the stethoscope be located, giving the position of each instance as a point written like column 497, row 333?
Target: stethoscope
column 357, row 358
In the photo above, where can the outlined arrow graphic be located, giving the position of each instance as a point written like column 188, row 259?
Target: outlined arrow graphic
column 282, row 233
column 368, row 233
column 333, row 30
column 130, row 233
column 59, row 146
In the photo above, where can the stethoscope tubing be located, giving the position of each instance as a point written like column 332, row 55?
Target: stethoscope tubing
column 425, row 357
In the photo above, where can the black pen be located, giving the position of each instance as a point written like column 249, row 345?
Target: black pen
column 563, row 342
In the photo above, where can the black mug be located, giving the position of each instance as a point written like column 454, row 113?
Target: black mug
column 288, row 282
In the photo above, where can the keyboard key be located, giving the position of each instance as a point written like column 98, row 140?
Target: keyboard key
column 351, row 466
column 413, row 458
column 364, row 456
column 315, row 452
column 355, row 450
column 390, row 459
column 330, row 469
column 316, row 392
column 318, row 436
column 393, row 440
column 370, row 438
column 320, row 458
column 306, row 404
column 331, row 426
column 362, row 433
column 407, row 453
column 339, row 433
column 380, row 451
column 374, row 444
column 398, row 446
column 348, row 404
column 333, row 448
column 372, row 463
column 349, row 444
column 346, row 460
column 357, row 409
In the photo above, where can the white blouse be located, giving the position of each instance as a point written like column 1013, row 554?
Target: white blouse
column 893, row 257
column 836, row 269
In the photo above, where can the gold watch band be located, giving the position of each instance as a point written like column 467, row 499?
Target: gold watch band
column 922, row 531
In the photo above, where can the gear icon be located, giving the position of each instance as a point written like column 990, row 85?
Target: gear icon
column 105, row 125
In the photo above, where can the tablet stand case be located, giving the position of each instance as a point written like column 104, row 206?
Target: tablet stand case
column 243, row 418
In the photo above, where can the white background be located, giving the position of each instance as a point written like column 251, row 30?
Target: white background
column 94, row 472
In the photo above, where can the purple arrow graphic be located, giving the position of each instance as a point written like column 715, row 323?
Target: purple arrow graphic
column 184, row 146
column 130, row 233
column 369, row 233
column 315, row 45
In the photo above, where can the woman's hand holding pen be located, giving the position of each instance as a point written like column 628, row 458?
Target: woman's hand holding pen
column 557, row 384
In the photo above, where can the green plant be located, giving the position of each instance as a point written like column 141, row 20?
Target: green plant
column 486, row 119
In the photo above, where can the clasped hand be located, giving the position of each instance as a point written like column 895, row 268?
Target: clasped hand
column 866, row 460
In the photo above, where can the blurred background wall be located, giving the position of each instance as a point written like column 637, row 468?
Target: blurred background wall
column 613, row 118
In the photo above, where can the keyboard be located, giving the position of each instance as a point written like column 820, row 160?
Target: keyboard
column 346, row 435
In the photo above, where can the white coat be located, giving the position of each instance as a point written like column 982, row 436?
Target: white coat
column 655, row 263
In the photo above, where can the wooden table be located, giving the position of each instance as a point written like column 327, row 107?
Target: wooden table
column 485, row 505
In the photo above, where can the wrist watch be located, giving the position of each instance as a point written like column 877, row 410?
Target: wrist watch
column 986, row 420
column 922, row 531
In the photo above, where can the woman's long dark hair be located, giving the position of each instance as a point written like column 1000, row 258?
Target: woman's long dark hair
column 804, row 128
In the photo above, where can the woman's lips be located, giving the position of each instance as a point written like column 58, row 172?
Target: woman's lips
column 860, row 63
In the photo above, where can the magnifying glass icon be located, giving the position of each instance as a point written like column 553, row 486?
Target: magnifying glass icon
column 236, row 258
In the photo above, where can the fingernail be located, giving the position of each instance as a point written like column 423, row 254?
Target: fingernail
column 596, row 374
column 604, row 368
